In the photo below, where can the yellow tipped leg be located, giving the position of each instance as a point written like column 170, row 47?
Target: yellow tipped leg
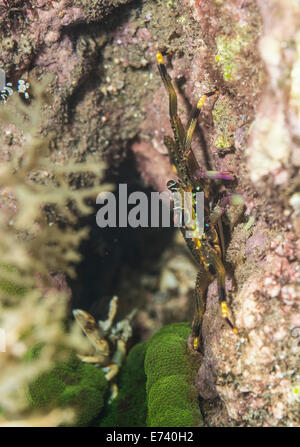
column 159, row 58
column 202, row 282
column 193, row 119
column 224, row 309
column 196, row 343
column 225, row 315
column 201, row 101
column 174, row 118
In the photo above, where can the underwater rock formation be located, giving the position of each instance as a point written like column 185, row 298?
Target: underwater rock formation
column 108, row 101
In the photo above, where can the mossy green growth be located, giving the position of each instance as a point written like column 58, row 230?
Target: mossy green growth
column 230, row 51
column 226, row 121
column 129, row 409
column 71, row 384
column 170, row 369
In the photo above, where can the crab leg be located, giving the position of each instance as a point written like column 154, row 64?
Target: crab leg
column 89, row 326
column 174, row 118
column 202, row 283
column 193, row 120
column 222, row 292
column 105, row 325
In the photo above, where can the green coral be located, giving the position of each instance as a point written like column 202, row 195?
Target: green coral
column 129, row 409
column 71, row 384
column 171, row 395
column 157, row 378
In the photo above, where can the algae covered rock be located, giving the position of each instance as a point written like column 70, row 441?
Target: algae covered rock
column 156, row 386
column 171, row 395
column 71, row 384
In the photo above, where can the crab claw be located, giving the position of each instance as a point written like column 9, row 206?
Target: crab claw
column 89, row 326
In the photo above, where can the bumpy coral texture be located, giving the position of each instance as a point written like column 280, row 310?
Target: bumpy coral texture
column 171, row 395
column 71, row 384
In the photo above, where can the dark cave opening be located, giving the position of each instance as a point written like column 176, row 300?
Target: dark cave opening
column 115, row 259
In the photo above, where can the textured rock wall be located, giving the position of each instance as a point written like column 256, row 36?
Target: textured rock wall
column 108, row 99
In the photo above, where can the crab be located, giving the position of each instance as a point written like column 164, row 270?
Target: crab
column 207, row 243
column 108, row 340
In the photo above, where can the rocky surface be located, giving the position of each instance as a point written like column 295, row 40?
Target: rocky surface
column 108, row 101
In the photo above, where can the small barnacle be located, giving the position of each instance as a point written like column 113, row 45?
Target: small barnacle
column 8, row 43
column 25, row 45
